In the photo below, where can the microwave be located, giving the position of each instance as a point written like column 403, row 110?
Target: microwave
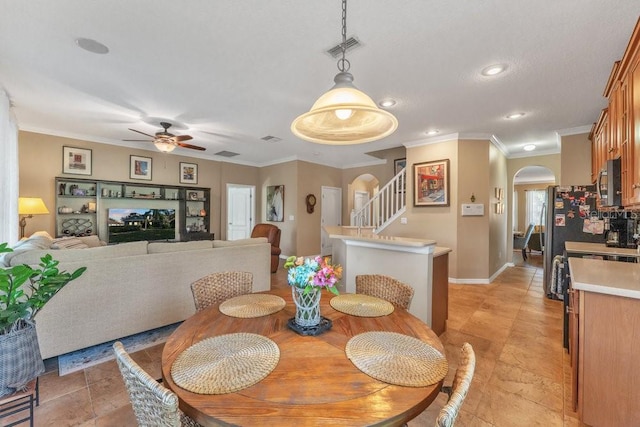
column 609, row 184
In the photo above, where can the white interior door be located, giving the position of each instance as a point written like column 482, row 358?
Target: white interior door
column 240, row 211
column 331, row 214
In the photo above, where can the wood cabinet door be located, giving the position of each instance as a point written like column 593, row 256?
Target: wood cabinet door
column 634, row 131
column 574, row 322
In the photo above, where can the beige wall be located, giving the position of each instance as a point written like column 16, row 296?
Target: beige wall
column 498, row 234
column 281, row 174
column 576, row 159
column 473, row 231
column 311, row 178
column 437, row 223
column 41, row 161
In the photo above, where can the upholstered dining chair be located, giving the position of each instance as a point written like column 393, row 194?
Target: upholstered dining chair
column 385, row 287
column 215, row 288
column 272, row 233
column 459, row 389
column 153, row 404
column 523, row 242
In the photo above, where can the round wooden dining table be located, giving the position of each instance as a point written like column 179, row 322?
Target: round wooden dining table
column 314, row 383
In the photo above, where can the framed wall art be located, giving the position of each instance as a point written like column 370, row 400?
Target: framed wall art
column 275, row 203
column 76, row 161
column 188, row 173
column 431, row 183
column 140, row 168
column 398, row 165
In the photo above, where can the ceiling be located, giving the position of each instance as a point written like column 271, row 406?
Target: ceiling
column 232, row 72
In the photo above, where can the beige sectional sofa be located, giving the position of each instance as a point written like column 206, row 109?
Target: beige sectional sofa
column 132, row 287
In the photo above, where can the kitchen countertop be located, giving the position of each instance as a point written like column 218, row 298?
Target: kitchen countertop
column 605, row 277
column 366, row 235
column 599, row 249
column 440, row 250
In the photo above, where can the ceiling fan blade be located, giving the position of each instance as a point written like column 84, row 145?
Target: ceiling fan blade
column 146, row 134
column 183, row 138
column 193, row 147
column 136, row 140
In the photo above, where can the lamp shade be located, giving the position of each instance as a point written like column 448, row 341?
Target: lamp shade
column 344, row 115
column 31, row 206
column 164, row 146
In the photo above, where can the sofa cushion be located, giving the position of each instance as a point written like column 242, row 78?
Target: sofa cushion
column 163, row 247
column 103, row 252
column 92, row 241
column 240, row 242
column 38, row 240
column 68, row 243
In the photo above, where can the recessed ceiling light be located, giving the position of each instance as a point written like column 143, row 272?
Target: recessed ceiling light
column 515, row 115
column 92, row 46
column 432, row 132
column 388, row 102
column 493, row 70
column 529, row 147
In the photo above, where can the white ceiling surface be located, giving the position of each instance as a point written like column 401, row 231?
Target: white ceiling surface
column 234, row 71
column 534, row 175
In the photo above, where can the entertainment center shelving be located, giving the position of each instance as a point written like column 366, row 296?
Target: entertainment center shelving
column 82, row 206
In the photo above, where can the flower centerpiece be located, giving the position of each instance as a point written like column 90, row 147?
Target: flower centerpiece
column 307, row 277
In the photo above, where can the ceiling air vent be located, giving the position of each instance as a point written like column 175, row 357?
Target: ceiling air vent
column 227, row 154
column 270, row 138
column 336, row 51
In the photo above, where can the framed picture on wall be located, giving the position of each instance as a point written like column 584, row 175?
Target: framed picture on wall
column 431, row 183
column 76, row 161
column 188, row 173
column 275, row 203
column 140, row 167
column 398, row 165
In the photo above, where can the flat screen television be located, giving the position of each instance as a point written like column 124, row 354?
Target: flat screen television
column 131, row 224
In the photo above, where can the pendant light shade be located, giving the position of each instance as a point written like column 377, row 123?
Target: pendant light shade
column 164, row 146
column 344, row 115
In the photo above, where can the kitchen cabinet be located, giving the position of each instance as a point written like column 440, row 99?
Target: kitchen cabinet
column 82, row 206
column 617, row 133
column 604, row 321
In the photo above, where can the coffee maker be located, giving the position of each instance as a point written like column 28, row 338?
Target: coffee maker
column 621, row 231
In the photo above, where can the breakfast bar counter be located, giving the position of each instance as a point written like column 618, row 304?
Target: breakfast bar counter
column 409, row 260
column 588, row 248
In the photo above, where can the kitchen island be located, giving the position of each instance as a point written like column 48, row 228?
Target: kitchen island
column 604, row 323
column 409, row 260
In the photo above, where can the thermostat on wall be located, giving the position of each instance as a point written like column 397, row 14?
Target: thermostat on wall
column 472, row 209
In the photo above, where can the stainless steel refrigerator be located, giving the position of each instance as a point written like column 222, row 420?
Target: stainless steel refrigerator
column 569, row 214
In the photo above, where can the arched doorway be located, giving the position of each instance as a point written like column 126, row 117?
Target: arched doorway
column 360, row 190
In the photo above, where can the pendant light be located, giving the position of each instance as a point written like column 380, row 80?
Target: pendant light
column 344, row 115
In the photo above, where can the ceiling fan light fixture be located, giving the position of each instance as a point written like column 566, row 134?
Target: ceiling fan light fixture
column 164, row 146
column 344, row 115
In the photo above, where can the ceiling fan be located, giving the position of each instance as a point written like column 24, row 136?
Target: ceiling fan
column 165, row 141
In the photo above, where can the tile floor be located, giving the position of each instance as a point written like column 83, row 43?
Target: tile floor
column 522, row 376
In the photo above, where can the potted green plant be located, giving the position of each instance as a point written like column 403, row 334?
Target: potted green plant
column 23, row 293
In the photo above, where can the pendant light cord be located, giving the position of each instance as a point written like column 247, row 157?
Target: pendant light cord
column 343, row 63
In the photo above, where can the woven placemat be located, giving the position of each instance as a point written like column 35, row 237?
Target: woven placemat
column 361, row 305
column 225, row 364
column 397, row 359
column 252, row 305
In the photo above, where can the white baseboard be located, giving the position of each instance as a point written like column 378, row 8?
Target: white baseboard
column 481, row 281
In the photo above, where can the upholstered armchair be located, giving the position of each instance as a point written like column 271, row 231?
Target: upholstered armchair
column 272, row 233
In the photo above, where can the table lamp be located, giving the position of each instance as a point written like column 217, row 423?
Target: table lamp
column 30, row 206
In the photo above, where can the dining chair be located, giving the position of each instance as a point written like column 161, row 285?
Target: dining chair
column 459, row 389
column 385, row 287
column 217, row 287
column 19, row 402
column 523, row 242
column 153, row 404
